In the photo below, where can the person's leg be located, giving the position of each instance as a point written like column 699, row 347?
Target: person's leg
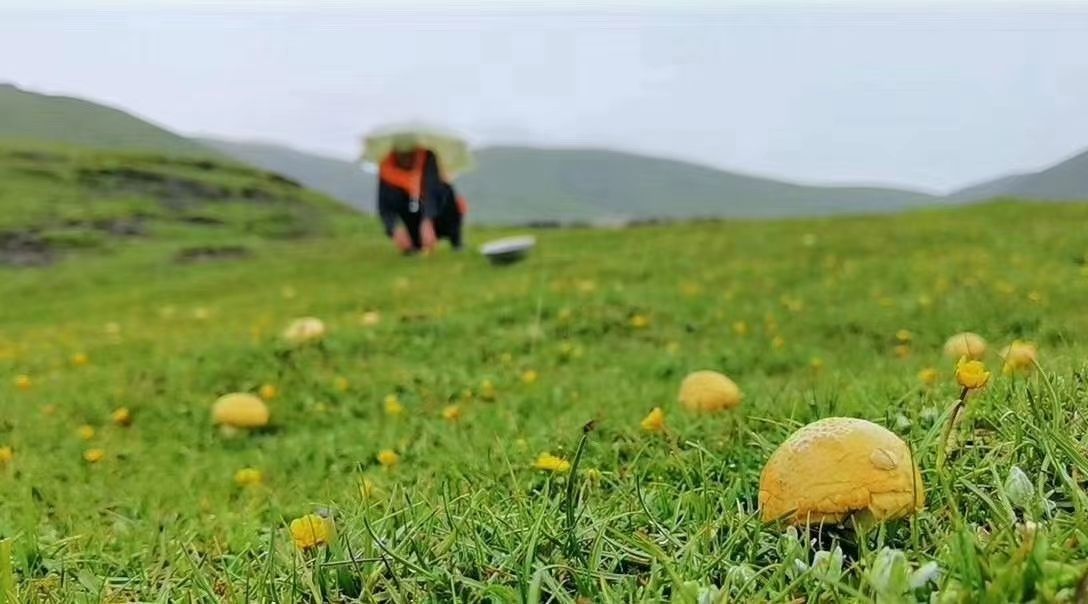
column 411, row 223
column 448, row 225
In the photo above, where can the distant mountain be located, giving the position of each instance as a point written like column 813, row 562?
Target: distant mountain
column 31, row 117
column 337, row 178
column 1066, row 181
column 522, row 184
column 518, row 183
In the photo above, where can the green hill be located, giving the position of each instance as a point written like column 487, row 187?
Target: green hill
column 521, row 184
column 518, row 183
column 29, row 116
column 337, row 178
column 60, row 200
column 1065, row 181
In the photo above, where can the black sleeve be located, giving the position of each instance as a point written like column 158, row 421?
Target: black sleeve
column 387, row 201
column 432, row 188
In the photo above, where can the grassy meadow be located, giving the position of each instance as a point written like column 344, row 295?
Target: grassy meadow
column 468, row 373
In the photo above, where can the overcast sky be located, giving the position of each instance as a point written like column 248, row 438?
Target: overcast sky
column 915, row 95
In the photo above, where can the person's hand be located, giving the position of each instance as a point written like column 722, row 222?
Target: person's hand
column 427, row 234
column 402, row 240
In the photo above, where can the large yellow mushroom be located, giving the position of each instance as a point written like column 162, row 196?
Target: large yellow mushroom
column 304, row 331
column 240, row 410
column 966, row 344
column 709, row 391
column 836, row 468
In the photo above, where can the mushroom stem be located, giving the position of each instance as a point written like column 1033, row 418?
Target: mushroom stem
column 946, row 432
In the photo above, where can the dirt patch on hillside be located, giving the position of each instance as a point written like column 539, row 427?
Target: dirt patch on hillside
column 194, row 255
column 25, row 249
column 173, row 190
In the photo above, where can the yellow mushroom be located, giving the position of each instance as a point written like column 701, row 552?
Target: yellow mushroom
column 837, row 467
column 304, row 330
column 709, row 391
column 1020, row 357
column 966, row 344
column 240, row 410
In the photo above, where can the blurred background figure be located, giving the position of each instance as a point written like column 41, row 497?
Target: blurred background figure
column 417, row 204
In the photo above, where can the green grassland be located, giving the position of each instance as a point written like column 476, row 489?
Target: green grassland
column 802, row 314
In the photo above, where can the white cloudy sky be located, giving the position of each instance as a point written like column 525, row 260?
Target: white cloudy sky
column 907, row 93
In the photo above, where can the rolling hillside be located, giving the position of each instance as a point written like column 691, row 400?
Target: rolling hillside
column 58, row 201
column 337, row 178
column 29, row 116
column 1067, row 180
column 522, row 184
column 518, row 183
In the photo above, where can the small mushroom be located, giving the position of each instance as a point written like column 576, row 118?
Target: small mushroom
column 837, row 467
column 240, row 410
column 966, row 344
column 709, row 391
column 304, row 331
column 1020, row 357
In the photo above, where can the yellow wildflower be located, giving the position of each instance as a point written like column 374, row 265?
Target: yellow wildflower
column 79, row 359
column 310, row 531
column 86, row 432
column 388, row 458
column 248, row 477
column 268, row 392
column 740, row 328
column 928, row 376
column 551, row 463
column 902, row 351
column 367, row 488
column 122, row 417
column 640, row 321
column 529, row 376
column 487, row 390
column 23, row 382
column 971, row 374
column 6, row 455
column 94, row 455
column 451, row 413
column 393, row 406
column 654, row 421
column 778, row 342
column 904, row 336
column 341, row 384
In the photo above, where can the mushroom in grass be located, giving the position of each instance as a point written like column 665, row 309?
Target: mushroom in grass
column 240, row 410
column 966, row 344
column 304, row 331
column 838, row 468
column 709, row 391
column 1020, row 357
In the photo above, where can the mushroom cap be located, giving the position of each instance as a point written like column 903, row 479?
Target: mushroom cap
column 240, row 410
column 1020, row 356
column 836, row 467
column 304, row 330
column 966, row 344
column 709, row 391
